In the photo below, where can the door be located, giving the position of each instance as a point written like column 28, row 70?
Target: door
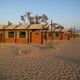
column 41, row 37
column 30, row 37
column 1, row 37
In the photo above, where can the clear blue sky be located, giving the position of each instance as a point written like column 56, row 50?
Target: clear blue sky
column 65, row 12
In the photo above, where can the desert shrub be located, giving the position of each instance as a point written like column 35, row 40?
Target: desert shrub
column 20, row 50
column 3, row 76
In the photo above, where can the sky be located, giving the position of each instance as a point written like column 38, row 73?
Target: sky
column 65, row 12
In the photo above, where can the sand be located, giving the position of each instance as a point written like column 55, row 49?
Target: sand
column 57, row 60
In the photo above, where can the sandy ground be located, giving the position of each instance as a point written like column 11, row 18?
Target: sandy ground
column 58, row 60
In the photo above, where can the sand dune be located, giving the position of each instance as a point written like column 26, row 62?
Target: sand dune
column 57, row 60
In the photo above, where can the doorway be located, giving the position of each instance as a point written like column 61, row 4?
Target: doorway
column 30, row 37
column 1, row 37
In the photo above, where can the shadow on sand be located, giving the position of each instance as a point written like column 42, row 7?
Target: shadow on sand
column 70, row 59
column 3, row 76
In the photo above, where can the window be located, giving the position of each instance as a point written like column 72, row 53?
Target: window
column 33, row 30
column 1, row 35
column 22, row 34
column 11, row 34
column 51, row 34
column 56, row 34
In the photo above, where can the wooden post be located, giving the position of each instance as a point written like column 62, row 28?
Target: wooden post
column 51, row 30
column 74, row 32
column 46, row 35
column 3, row 35
column 28, row 36
column 15, row 32
column 42, row 37
column 51, row 25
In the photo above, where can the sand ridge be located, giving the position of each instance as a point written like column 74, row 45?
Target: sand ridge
column 57, row 60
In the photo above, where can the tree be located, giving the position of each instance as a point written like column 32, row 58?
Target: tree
column 9, row 23
column 23, row 19
column 31, row 20
column 44, row 18
column 38, row 19
column 28, row 14
column 29, row 17
column 60, row 27
column 54, row 24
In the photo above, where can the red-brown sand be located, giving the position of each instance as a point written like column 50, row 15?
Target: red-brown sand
column 57, row 60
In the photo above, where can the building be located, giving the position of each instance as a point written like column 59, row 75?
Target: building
column 59, row 33
column 32, row 33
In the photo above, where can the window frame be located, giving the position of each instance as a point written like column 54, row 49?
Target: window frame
column 51, row 34
column 22, row 34
column 57, row 34
column 11, row 34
